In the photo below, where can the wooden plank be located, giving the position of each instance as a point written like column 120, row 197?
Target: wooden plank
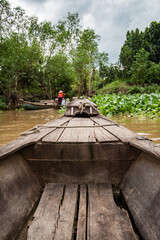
column 31, row 138
column 58, row 122
column 98, row 217
column 102, row 133
column 47, row 214
column 65, row 227
column 127, row 136
column 104, row 136
column 79, row 134
column 80, row 152
column 82, row 216
column 120, row 132
column 105, row 219
column 54, row 135
column 104, row 121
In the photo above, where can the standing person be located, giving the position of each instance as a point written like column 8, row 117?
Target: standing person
column 60, row 96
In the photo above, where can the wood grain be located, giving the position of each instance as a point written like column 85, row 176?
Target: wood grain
column 82, row 216
column 47, row 214
column 65, row 227
column 105, row 219
column 78, row 134
column 141, row 188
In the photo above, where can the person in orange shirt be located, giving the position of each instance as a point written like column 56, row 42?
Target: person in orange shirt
column 60, row 96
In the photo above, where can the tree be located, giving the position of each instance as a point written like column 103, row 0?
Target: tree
column 5, row 17
column 58, row 74
column 154, row 73
column 152, row 37
column 149, row 40
column 140, row 67
column 84, row 58
column 132, row 45
column 68, row 32
column 38, row 59
column 18, row 62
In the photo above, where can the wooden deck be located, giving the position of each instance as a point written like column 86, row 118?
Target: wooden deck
column 80, row 130
column 79, row 212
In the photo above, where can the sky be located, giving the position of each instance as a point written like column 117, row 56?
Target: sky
column 111, row 19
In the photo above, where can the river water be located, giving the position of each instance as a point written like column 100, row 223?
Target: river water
column 12, row 123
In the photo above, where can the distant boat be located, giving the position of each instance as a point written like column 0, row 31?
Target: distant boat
column 43, row 104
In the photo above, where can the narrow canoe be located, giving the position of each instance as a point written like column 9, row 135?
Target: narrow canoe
column 81, row 176
column 43, row 104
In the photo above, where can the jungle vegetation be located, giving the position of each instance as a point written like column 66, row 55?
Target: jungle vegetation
column 37, row 59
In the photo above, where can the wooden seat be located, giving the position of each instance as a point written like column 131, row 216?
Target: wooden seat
column 79, row 212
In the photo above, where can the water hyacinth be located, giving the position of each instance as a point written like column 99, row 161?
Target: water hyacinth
column 135, row 104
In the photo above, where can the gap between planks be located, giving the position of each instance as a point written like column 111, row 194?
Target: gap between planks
column 79, row 212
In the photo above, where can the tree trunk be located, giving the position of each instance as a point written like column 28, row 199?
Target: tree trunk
column 92, row 81
column 14, row 100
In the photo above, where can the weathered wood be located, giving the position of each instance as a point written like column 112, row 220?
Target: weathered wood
column 19, row 191
column 65, row 227
column 103, row 120
column 78, row 134
column 92, row 214
column 54, row 135
column 81, row 106
column 127, row 136
column 120, row 132
column 80, row 152
column 105, row 219
column 141, row 189
column 31, row 138
column 146, row 146
column 47, row 214
column 55, row 215
column 82, row 215
column 104, row 136
column 80, row 172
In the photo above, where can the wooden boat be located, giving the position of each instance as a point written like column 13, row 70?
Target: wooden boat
column 43, row 104
column 81, row 176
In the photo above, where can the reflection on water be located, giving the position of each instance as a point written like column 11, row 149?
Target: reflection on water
column 12, row 123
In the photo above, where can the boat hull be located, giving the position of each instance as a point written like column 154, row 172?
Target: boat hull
column 29, row 106
column 43, row 104
column 85, row 171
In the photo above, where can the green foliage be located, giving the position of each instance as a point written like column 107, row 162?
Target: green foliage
column 152, row 41
column 136, row 104
column 85, row 57
column 132, row 45
column 153, row 73
column 3, row 104
column 39, row 59
column 114, row 87
column 153, row 88
column 58, row 74
column 138, row 45
column 61, row 110
column 139, row 67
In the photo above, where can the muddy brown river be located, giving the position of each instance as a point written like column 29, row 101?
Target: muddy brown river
column 12, row 123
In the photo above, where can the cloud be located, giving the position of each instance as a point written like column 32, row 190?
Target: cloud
column 111, row 19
